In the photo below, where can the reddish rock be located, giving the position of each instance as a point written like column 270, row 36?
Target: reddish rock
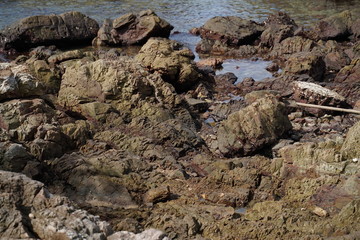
column 132, row 29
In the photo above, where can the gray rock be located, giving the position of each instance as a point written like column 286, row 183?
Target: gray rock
column 132, row 29
column 70, row 27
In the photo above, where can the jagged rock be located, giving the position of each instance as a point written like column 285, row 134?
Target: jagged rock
column 306, row 63
column 253, row 127
column 29, row 211
column 64, row 56
column 292, row 45
column 315, row 94
column 92, row 179
column 232, row 31
column 351, row 146
column 104, row 80
column 13, row 157
column 355, row 28
column 17, row 81
column 149, row 234
column 334, row 27
column 35, row 124
column 132, row 29
column 172, row 61
column 335, row 60
column 155, row 195
column 324, row 157
column 64, row 29
column 349, row 73
column 279, row 26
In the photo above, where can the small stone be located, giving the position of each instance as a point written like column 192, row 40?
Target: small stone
column 156, row 195
column 320, row 212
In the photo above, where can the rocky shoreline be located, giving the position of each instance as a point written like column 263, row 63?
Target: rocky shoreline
column 98, row 144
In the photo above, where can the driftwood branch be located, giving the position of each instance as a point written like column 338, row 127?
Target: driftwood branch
column 293, row 104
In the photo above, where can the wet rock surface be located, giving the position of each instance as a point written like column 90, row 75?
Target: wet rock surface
column 71, row 27
column 132, row 29
column 153, row 140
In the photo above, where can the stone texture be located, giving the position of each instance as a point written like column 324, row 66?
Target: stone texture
column 252, row 128
column 233, row 31
column 306, row 63
column 131, row 29
column 172, row 61
column 312, row 93
column 351, row 146
column 334, row 27
column 63, row 29
column 29, row 211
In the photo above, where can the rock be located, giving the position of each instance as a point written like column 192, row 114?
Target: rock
column 35, row 124
column 349, row 73
column 172, row 61
column 63, row 30
column 324, row 157
column 102, row 80
column 319, row 211
column 212, row 62
column 156, row 195
column 312, row 93
column 226, row 77
column 29, row 211
column 253, row 127
column 232, row 31
column 149, row 234
column 334, row 27
column 256, row 95
column 17, row 81
column 292, row 45
column 13, row 157
column 279, row 26
column 272, row 67
column 336, row 60
column 92, row 180
column 132, row 29
column 306, row 63
column 351, row 147
column 355, row 28
column 64, row 56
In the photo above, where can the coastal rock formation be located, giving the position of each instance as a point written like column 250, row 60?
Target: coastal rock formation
column 351, row 147
column 67, row 28
column 29, row 211
column 132, row 29
column 279, row 26
column 337, row 26
column 232, row 31
column 253, row 127
column 306, row 63
column 173, row 61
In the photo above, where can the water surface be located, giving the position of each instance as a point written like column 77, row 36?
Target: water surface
column 183, row 14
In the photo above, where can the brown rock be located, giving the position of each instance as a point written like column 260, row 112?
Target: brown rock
column 306, row 63
column 253, row 127
column 64, row 29
column 156, row 195
column 132, row 29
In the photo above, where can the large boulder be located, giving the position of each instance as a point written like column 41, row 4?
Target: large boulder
column 29, row 211
column 172, row 61
column 292, row 45
column 279, row 26
column 64, row 29
column 349, row 73
column 337, row 26
column 306, row 63
column 253, row 127
column 233, row 31
column 132, row 29
column 351, row 146
column 106, row 80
